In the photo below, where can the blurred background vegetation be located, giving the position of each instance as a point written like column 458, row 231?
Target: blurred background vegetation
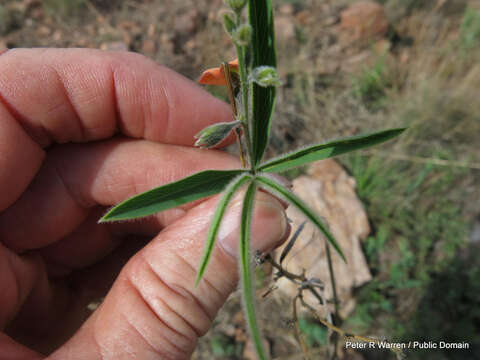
column 421, row 193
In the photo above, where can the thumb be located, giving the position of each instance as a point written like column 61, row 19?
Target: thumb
column 153, row 310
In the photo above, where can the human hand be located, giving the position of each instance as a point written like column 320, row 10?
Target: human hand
column 81, row 130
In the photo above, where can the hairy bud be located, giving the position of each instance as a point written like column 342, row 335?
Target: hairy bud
column 228, row 23
column 236, row 5
column 215, row 134
column 242, row 35
column 265, row 76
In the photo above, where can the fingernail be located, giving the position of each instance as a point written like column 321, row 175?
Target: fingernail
column 269, row 225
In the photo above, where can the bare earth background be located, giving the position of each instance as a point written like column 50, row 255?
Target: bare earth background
column 347, row 67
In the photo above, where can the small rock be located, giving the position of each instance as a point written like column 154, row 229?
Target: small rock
column 330, row 192
column 364, row 20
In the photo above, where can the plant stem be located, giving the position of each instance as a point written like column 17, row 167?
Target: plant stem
column 335, row 297
column 244, row 90
column 332, row 277
column 228, row 80
column 284, row 272
column 241, row 51
column 231, row 95
column 297, row 328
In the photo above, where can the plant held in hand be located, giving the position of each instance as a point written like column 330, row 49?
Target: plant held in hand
column 252, row 82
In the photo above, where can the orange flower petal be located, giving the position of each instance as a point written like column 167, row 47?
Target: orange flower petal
column 212, row 76
column 234, row 64
column 215, row 76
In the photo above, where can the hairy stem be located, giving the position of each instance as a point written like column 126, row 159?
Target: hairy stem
column 241, row 51
column 231, row 95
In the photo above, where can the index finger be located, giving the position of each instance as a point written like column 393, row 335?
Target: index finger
column 65, row 95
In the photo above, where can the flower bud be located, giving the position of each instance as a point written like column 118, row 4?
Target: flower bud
column 236, row 5
column 214, row 134
column 265, row 76
column 228, row 23
column 242, row 35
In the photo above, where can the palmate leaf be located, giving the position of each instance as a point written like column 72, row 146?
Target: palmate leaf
column 324, row 151
column 246, row 271
column 216, row 221
column 168, row 196
column 263, row 54
column 300, row 205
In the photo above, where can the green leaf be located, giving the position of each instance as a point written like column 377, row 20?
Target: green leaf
column 216, row 221
column 324, row 151
column 246, row 271
column 263, row 54
column 228, row 23
column 168, row 196
column 300, row 205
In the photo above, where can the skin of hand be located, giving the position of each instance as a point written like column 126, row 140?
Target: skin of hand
column 80, row 131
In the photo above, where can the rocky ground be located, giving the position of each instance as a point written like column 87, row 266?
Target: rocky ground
column 347, row 67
